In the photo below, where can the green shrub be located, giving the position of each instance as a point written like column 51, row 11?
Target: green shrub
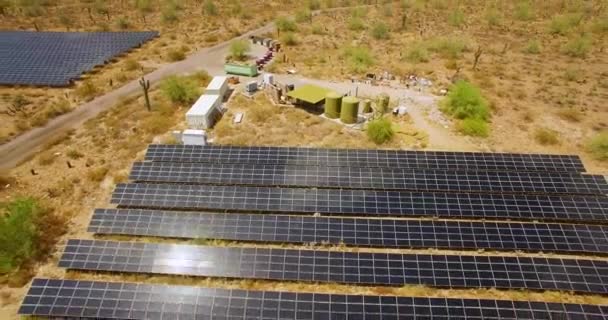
column 123, row 23
column 380, row 31
column 473, row 127
column 562, row 24
column 289, row 39
column 97, row 174
column 318, row 29
column 577, row 47
column 239, row 49
column 74, row 154
column 209, row 8
column 417, row 53
column 456, row 18
column 465, row 101
column 570, row 114
column 285, row 24
column 87, row 90
column 18, row 233
column 448, row 47
column 359, row 58
column 380, row 130
column 180, row 90
column 523, row 11
column 169, row 15
column 598, row 146
column 314, row 5
column 532, row 47
column 601, row 25
column 356, row 24
column 303, row 16
column 546, row 136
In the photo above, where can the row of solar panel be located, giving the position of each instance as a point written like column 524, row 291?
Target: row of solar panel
column 362, row 202
column 567, row 238
column 369, row 178
column 110, row 300
column 361, row 268
column 365, row 158
column 57, row 58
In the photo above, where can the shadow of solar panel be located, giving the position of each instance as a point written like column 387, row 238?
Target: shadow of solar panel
column 546, row 237
column 446, row 271
column 365, row 158
column 362, row 202
column 115, row 300
column 369, row 178
column 57, row 58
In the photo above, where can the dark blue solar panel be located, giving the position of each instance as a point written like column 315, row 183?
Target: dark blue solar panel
column 58, row 58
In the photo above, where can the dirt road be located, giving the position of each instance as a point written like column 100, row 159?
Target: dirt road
column 24, row 146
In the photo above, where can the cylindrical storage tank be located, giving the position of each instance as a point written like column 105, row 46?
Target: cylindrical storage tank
column 333, row 102
column 350, row 109
column 367, row 106
column 382, row 102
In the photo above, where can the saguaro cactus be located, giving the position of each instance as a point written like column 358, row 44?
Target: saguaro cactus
column 145, row 84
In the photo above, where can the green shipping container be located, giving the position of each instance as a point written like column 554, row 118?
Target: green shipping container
column 241, row 70
column 333, row 103
column 350, row 110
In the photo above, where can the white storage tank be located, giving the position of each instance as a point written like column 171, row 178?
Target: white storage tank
column 204, row 112
column 218, row 86
column 194, row 137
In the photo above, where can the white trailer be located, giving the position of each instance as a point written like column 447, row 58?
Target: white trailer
column 204, row 112
column 218, row 86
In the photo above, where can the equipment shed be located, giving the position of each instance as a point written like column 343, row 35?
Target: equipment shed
column 309, row 95
column 204, row 112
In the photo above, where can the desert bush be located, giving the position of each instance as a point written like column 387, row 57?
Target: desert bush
column 31, row 8
column 46, row 159
column 465, row 101
column 176, row 54
column 493, row 17
column 598, row 146
column 74, row 154
column 18, row 233
column 356, row 24
column 97, row 174
column 360, row 59
column 456, row 18
column 157, row 124
column 87, row 90
column 380, row 130
column 473, row 127
column 562, row 24
column 570, row 114
column 577, row 47
column 523, row 11
column 169, row 15
column 131, row 65
column 380, row 31
column 289, row 39
column 532, row 47
column 239, row 49
column 201, row 77
column 143, row 6
column 180, row 90
column 317, row 29
column 5, row 5
column 285, row 24
column 209, row 8
column 546, row 136
column 123, row 23
column 417, row 53
column 314, row 5
column 303, row 16
column 448, row 47
column 572, row 74
column 260, row 113
column 600, row 25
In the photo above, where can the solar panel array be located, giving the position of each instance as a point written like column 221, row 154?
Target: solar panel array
column 447, row 271
column 362, row 202
column 371, row 199
column 58, row 58
column 365, row 158
column 546, row 237
column 369, row 178
column 108, row 300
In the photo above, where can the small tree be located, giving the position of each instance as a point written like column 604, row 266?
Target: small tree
column 144, row 7
column 285, row 25
column 102, row 8
column 239, row 49
column 4, row 6
column 180, row 90
column 598, row 146
column 65, row 21
column 380, row 130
